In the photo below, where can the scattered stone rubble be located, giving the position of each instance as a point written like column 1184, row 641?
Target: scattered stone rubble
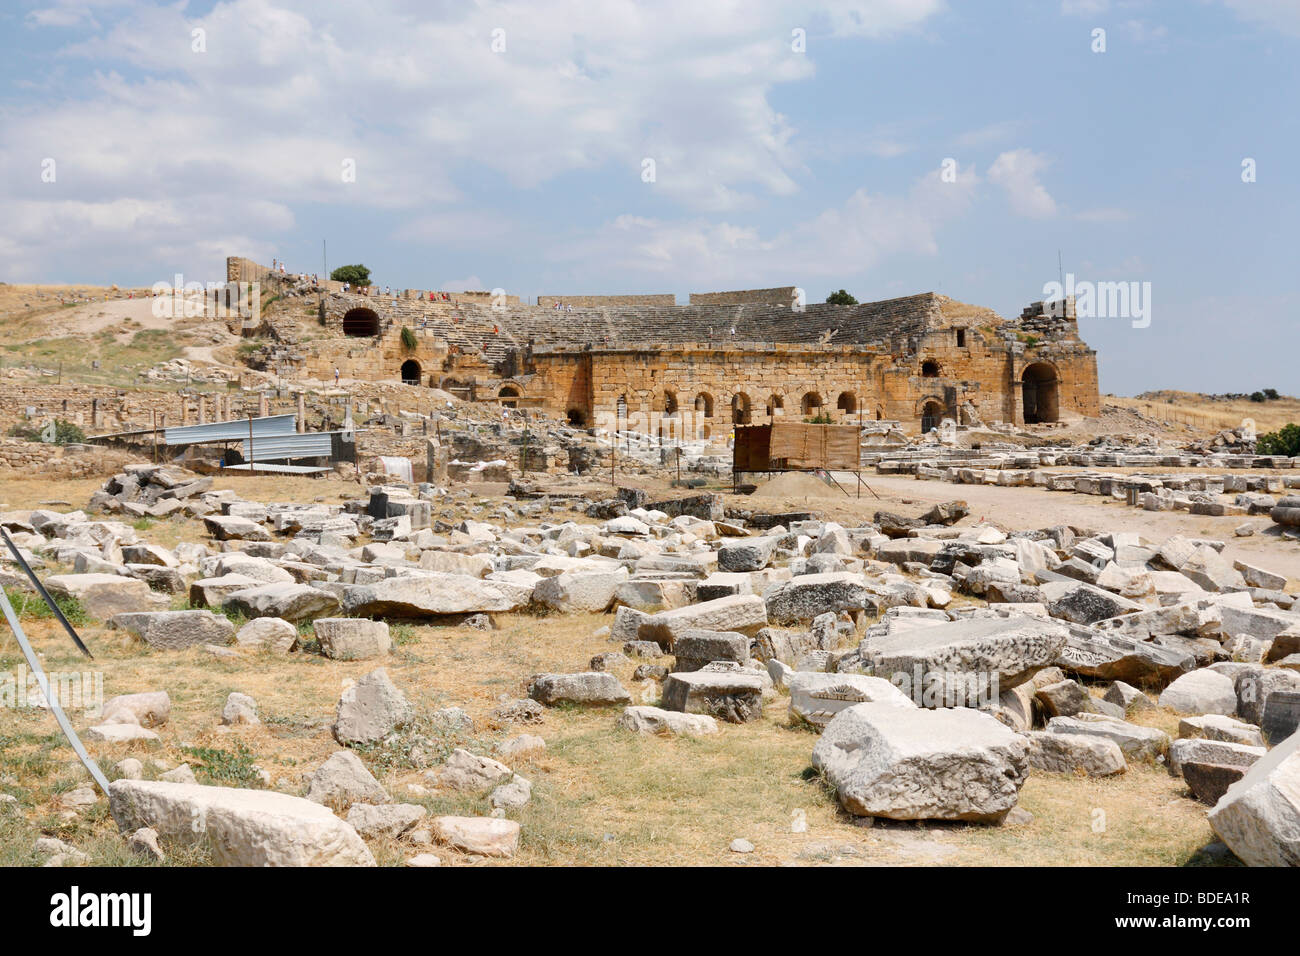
column 925, row 707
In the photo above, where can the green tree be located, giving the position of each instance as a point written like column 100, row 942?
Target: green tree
column 1257, row 396
column 1271, row 394
column 357, row 275
column 1284, row 441
column 841, row 298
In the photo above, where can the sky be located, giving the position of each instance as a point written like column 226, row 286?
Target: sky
column 888, row 147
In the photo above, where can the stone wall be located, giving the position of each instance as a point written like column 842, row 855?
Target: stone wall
column 711, row 387
column 239, row 269
column 601, row 301
column 60, row 461
column 784, row 295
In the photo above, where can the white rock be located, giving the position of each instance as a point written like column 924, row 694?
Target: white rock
column 241, row 827
column 909, row 764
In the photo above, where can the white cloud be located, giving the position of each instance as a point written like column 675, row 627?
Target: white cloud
column 288, row 90
column 864, row 231
column 1283, row 15
column 1084, row 8
column 1017, row 173
column 985, row 135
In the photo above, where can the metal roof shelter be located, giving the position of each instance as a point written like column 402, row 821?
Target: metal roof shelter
column 307, row 445
column 234, row 430
column 280, row 469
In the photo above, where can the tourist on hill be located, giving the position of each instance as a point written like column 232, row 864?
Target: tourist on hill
column 336, row 377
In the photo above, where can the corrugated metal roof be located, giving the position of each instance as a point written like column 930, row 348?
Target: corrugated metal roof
column 234, row 430
column 307, row 445
column 281, row 469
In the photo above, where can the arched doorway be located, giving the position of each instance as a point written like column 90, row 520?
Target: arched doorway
column 509, row 396
column 704, row 404
column 811, row 404
column 577, row 417
column 410, row 372
column 361, row 322
column 670, row 402
column 847, row 403
column 931, row 415
column 740, row 409
column 775, row 406
column 1039, row 389
column 929, row 369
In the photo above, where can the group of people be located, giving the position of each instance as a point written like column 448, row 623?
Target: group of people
column 560, row 308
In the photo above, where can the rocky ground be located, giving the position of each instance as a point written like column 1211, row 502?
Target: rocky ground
column 428, row 675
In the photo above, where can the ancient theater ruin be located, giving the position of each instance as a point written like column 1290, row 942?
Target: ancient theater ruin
column 649, row 365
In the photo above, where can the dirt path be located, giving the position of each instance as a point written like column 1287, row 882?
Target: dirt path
column 1023, row 508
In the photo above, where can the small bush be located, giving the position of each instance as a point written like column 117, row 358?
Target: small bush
column 409, row 341
column 65, row 433
column 841, row 298
column 224, row 767
column 1284, row 441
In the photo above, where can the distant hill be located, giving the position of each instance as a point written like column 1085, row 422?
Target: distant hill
column 1212, row 411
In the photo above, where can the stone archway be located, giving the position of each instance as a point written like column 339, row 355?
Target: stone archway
column 847, row 403
column 410, row 372
column 1040, row 391
column 931, row 415
column 508, row 396
column 361, row 322
column 740, row 412
column 704, row 405
column 811, row 404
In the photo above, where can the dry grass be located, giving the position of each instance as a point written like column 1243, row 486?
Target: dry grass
column 1202, row 411
column 601, row 795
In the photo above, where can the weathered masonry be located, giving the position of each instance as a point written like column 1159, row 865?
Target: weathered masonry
column 698, row 369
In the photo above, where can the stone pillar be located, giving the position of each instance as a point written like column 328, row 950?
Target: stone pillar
column 302, row 413
column 261, row 404
column 203, row 417
column 185, row 411
column 94, row 413
column 436, row 457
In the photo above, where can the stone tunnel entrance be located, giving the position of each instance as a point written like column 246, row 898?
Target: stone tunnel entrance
column 410, row 372
column 1039, row 387
column 361, row 322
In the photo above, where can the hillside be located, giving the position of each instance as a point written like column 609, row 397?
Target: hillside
column 1211, row 412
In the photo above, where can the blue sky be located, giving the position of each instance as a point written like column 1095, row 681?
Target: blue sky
column 522, row 167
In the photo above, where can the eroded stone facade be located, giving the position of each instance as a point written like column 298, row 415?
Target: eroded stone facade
column 668, row 369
